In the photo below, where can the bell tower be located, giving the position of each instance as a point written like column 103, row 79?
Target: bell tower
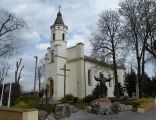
column 58, row 35
column 56, row 58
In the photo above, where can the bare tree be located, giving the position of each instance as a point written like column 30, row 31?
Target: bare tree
column 9, row 24
column 106, row 40
column 18, row 71
column 138, row 24
column 4, row 68
column 151, row 43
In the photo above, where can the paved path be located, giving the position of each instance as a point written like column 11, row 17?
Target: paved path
column 129, row 115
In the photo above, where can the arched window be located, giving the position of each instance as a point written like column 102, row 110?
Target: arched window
column 89, row 77
column 52, row 56
column 110, row 83
column 53, row 36
column 63, row 36
column 50, row 87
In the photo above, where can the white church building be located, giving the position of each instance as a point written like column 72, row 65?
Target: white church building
column 69, row 71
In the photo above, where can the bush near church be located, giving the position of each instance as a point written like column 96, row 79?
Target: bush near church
column 67, row 98
column 88, row 99
column 27, row 102
column 95, row 95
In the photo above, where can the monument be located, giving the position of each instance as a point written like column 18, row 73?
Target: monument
column 103, row 87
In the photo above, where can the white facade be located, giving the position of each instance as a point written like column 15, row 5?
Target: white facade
column 67, row 69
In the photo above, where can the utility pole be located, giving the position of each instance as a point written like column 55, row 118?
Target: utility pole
column 35, row 74
column 39, row 79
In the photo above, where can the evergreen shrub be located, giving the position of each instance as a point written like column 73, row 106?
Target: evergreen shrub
column 27, row 102
column 67, row 98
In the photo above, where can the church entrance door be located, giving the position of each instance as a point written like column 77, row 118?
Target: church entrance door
column 51, row 88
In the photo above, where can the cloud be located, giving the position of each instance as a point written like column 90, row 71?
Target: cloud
column 42, row 46
column 80, row 16
column 31, row 36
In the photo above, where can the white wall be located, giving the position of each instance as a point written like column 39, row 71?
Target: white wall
column 76, row 75
column 121, row 76
column 105, row 70
column 72, row 81
column 53, row 69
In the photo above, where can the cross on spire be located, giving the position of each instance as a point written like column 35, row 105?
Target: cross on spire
column 59, row 7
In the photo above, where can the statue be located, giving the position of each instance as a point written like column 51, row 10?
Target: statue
column 103, row 87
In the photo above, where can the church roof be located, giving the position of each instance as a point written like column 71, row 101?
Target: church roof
column 59, row 19
column 95, row 60
column 102, row 63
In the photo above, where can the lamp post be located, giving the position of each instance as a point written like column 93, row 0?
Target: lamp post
column 39, row 80
column 36, row 58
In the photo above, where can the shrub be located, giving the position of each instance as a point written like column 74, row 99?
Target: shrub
column 22, row 104
column 120, row 90
column 75, row 99
column 68, row 97
column 88, row 99
column 96, row 92
column 115, row 107
column 47, row 107
column 95, row 109
column 27, row 102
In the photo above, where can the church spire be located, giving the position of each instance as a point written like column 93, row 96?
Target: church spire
column 59, row 19
column 59, row 7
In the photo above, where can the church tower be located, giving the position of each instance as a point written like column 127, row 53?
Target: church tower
column 56, row 59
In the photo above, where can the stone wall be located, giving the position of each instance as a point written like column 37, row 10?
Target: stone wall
column 146, row 106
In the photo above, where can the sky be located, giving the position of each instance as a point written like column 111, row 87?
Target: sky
column 79, row 15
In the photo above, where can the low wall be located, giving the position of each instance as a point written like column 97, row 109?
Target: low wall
column 146, row 106
column 18, row 114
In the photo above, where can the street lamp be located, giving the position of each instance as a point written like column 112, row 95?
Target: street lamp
column 36, row 58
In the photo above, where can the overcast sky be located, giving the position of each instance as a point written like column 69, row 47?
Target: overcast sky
column 79, row 15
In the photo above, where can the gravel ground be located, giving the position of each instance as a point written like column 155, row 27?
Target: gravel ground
column 128, row 115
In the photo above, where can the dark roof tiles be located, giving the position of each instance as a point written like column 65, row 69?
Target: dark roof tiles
column 59, row 19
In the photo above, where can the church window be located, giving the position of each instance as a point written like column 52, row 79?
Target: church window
column 63, row 36
column 110, row 82
column 52, row 56
column 53, row 36
column 113, row 79
column 89, row 77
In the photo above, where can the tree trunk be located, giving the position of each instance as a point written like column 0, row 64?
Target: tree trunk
column 139, row 78
column 116, row 75
column 143, row 69
column 115, row 68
